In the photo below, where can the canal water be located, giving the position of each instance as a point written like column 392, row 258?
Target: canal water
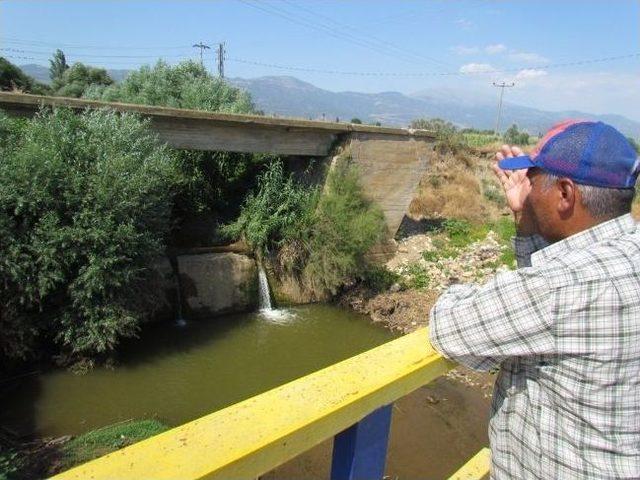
column 179, row 373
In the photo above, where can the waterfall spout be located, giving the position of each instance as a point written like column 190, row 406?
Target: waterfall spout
column 263, row 289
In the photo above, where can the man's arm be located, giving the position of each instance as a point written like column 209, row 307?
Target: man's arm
column 482, row 326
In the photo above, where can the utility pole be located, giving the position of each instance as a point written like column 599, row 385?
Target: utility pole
column 221, row 55
column 202, row 48
column 501, row 86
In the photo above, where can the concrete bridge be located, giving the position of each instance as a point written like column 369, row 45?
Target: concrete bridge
column 391, row 160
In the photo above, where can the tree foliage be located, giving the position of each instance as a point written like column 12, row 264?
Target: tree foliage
column 449, row 138
column 186, row 85
column 13, row 78
column 76, row 79
column 85, row 201
column 513, row 136
column 57, row 65
column 214, row 180
column 320, row 237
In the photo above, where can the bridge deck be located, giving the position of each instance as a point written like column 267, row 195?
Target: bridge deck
column 201, row 130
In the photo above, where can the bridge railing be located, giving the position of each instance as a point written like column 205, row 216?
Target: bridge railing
column 350, row 400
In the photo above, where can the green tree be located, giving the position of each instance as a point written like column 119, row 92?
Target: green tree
column 57, row 65
column 78, row 78
column 13, row 78
column 215, row 181
column 356, row 120
column 85, row 201
column 449, row 137
column 513, row 136
column 186, row 85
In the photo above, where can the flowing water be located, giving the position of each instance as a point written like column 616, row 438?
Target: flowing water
column 178, row 374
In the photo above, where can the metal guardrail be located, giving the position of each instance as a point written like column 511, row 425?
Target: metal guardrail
column 350, row 400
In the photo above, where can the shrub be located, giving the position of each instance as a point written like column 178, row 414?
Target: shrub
column 186, row 85
column 322, row 238
column 84, row 209
column 379, row 278
column 13, row 78
column 345, row 226
column 449, row 138
column 279, row 210
column 214, row 181
column 74, row 81
column 513, row 136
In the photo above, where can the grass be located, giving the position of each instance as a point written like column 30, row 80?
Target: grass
column 105, row 440
column 418, row 277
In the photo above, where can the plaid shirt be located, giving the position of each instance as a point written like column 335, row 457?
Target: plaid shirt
column 565, row 331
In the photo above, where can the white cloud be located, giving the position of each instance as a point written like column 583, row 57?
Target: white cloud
column 528, row 57
column 528, row 73
column 495, row 48
column 476, row 68
column 462, row 50
column 464, row 23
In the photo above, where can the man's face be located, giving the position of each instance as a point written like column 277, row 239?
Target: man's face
column 540, row 205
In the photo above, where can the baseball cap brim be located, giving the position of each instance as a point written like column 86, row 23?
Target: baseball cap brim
column 516, row 163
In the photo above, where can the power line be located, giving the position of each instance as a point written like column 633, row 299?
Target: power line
column 13, row 40
column 90, row 55
column 368, row 36
column 336, row 33
column 431, row 74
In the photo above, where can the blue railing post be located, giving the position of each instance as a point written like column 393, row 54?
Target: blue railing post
column 360, row 451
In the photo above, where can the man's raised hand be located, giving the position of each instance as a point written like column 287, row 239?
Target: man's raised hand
column 515, row 183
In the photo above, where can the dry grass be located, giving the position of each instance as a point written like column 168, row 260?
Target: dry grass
column 459, row 187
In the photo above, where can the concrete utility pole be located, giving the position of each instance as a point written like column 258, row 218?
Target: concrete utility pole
column 501, row 86
column 221, row 55
column 202, row 48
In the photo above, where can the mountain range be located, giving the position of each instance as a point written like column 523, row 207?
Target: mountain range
column 290, row 97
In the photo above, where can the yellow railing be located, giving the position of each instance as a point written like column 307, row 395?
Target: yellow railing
column 252, row 437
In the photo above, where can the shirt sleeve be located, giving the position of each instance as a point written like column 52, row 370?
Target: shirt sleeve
column 481, row 326
column 525, row 246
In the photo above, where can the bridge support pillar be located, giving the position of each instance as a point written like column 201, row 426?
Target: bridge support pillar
column 360, row 451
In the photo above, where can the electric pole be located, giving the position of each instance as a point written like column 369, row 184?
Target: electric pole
column 221, row 55
column 202, row 48
column 501, row 86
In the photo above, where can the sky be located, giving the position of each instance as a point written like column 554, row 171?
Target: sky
column 552, row 50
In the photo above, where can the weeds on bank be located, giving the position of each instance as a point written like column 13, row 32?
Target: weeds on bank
column 105, row 440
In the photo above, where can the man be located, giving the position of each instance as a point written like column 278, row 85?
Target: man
column 564, row 328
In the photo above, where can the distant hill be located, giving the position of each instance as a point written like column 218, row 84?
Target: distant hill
column 290, row 97
column 41, row 73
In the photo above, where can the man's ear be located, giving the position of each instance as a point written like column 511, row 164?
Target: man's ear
column 567, row 195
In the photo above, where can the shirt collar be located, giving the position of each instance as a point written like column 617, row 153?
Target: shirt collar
column 610, row 229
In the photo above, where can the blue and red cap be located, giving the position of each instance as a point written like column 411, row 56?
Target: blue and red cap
column 589, row 153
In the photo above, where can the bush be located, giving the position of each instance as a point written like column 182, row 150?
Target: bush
column 74, row 81
column 84, row 209
column 513, row 136
column 186, row 85
column 345, row 226
column 13, row 78
column 279, row 210
column 449, row 138
column 214, row 181
column 321, row 238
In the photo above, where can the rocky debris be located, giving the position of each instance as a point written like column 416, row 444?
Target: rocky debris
column 444, row 265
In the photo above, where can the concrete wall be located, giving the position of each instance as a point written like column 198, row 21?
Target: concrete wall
column 390, row 169
column 217, row 283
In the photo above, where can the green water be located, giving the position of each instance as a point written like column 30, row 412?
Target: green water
column 177, row 374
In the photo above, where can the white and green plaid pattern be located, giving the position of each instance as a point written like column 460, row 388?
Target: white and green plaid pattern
column 565, row 331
